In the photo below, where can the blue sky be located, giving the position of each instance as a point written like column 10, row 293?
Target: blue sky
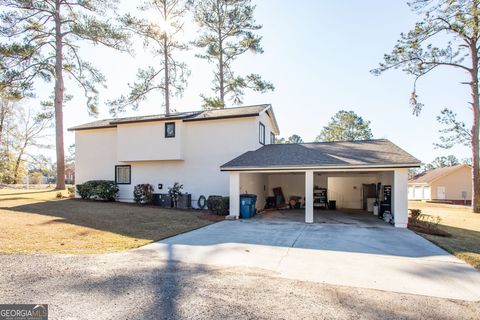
column 318, row 54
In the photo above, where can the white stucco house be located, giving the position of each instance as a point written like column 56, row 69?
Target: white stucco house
column 232, row 151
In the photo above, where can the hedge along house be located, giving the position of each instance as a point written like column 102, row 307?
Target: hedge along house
column 196, row 149
column 348, row 170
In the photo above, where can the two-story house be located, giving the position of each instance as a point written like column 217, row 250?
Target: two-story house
column 186, row 147
column 232, row 151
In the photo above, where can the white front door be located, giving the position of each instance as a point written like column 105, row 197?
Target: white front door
column 440, row 192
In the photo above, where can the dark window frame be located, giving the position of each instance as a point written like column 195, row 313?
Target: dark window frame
column 174, row 129
column 129, row 173
column 272, row 138
column 261, row 133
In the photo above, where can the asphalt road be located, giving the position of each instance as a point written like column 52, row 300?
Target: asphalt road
column 138, row 285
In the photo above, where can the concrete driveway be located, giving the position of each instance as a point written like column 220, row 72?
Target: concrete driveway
column 364, row 255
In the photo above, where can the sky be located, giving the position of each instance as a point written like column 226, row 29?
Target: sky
column 318, row 54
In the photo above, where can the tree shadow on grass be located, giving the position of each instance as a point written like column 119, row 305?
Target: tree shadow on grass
column 142, row 222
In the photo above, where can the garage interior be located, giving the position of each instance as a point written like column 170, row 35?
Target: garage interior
column 346, row 197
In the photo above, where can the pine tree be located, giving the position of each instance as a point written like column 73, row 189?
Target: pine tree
column 227, row 31
column 167, row 75
column 454, row 24
column 41, row 42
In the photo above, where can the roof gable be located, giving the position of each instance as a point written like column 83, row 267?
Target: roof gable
column 435, row 174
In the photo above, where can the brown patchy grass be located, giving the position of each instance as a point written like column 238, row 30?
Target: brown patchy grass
column 35, row 221
column 461, row 223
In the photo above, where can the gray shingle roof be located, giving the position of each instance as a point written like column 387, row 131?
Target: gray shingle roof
column 246, row 111
column 369, row 153
column 431, row 175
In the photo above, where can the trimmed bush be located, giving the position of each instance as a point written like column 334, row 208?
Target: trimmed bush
column 218, row 205
column 143, row 193
column 98, row 190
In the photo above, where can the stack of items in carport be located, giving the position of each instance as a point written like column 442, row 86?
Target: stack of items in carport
column 386, row 205
column 320, row 199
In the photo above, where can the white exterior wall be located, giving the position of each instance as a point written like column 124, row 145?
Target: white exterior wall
column 348, row 191
column 95, row 155
column 202, row 146
column 255, row 183
column 400, row 197
column 146, row 141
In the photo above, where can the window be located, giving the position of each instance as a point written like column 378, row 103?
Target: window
column 123, row 174
column 261, row 137
column 170, row 130
column 272, row 138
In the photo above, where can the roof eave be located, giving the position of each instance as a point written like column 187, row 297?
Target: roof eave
column 247, row 115
column 90, row 128
column 313, row 167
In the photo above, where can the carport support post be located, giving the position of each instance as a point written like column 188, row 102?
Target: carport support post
column 400, row 197
column 234, row 195
column 309, row 196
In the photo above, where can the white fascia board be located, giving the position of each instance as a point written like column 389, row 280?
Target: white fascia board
column 321, row 169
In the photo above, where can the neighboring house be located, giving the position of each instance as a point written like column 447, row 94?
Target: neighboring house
column 448, row 184
column 196, row 149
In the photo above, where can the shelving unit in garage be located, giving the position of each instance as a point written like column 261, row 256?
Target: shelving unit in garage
column 320, row 199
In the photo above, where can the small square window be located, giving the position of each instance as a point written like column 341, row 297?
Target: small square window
column 272, row 138
column 170, row 130
column 261, row 137
column 123, row 174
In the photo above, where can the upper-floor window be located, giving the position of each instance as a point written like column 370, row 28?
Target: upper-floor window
column 169, row 129
column 261, row 133
column 272, row 138
column 123, row 174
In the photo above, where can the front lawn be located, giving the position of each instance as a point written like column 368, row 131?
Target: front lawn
column 34, row 221
column 461, row 223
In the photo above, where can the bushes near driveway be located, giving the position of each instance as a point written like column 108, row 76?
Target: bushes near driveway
column 218, row 205
column 98, row 190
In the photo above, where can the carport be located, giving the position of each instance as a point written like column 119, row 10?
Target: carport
column 342, row 168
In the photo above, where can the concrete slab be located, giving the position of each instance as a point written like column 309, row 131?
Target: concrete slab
column 373, row 256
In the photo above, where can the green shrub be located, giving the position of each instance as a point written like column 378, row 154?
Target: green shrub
column 98, row 190
column 218, row 205
column 143, row 193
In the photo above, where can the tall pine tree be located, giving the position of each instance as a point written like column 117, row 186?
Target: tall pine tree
column 448, row 35
column 227, row 31
column 41, row 41
column 167, row 75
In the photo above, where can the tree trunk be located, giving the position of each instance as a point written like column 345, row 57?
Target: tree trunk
column 165, row 57
column 17, row 165
column 221, row 67
column 58, row 101
column 475, row 133
column 3, row 116
column 167, row 77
